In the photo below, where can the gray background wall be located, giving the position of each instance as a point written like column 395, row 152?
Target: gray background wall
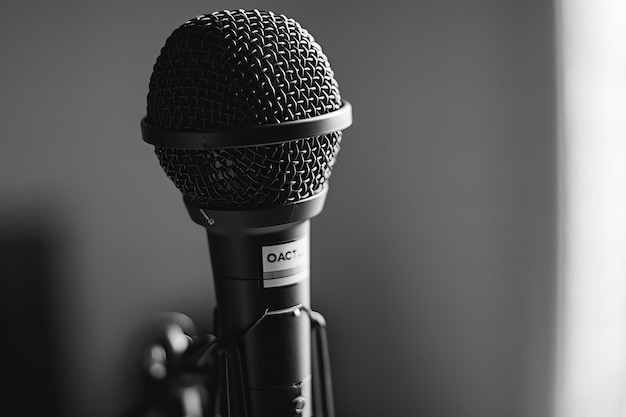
column 433, row 260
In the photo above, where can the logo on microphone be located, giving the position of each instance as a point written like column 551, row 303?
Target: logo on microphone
column 285, row 264
column 284, row 256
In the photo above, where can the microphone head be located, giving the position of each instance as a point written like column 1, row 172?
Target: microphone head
column 241, row 68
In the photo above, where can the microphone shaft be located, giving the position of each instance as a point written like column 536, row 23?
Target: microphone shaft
column 262, row 289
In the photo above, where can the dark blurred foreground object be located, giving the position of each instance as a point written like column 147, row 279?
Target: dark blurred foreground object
column 246, row 119
column 183, row 373
column 30, row 378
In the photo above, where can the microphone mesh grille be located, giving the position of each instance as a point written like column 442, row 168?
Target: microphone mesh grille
column 243, row 68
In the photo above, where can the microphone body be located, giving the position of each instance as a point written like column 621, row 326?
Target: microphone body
column 261, row 279
column 261, row 269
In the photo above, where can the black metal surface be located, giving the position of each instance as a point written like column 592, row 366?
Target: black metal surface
column 263, row 330
column 261, row 217
column 233, row 137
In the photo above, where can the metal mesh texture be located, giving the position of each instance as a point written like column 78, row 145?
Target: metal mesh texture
column 243, row 68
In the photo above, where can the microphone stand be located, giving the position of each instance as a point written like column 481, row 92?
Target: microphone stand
column 192, row 382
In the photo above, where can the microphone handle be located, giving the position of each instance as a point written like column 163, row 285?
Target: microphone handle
column 262, row 287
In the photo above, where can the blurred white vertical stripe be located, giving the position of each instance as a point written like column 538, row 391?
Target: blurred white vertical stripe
column 591, row 353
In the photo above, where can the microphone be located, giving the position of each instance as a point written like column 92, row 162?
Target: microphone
column 246, row 118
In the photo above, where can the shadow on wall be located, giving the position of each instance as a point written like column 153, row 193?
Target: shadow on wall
column 31, row 378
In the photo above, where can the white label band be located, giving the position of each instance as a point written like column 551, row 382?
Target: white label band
column 286, row 263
